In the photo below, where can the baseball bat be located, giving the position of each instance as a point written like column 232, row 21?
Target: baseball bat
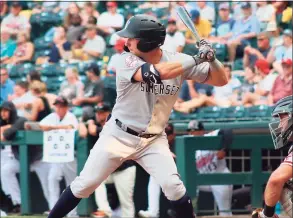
column 186, row 19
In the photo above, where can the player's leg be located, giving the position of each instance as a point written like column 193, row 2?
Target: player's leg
column 69, row 170
column 124, row 182
column 42, row 170
column 104, row 158
column 154, row 192
column 223, row 198
column 8, row 176
column 157, row 160
column 55, row 176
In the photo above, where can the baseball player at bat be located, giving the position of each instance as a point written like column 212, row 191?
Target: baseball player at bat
column 148, row 80
column 280, row 186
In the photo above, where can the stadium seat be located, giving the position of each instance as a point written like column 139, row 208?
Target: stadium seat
column 238, row 64
column 42, row 44
column 233, row 113
column 40, row 53
column 160, row 12
column 190, row 49
column 210, row 113
column 51, row 70
column 221, row 51
column 257, row 112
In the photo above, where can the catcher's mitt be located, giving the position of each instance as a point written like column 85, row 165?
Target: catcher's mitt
column 257, row 213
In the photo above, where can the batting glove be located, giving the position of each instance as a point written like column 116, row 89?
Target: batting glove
column 258, row 213
column 205, row 54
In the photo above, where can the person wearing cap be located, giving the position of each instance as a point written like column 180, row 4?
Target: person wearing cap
column 265, row 13
column 211, row 161
column 8, row 46
column 274, row 33
column 10, row 123
column 62, row 118
column 110, row 21
column 203, row 26
column 263, row 87
column 6, row 85
column 15, row 22
column 175, row 40
column 278, row 53
column 119, row 48
column 224, row 23
column 94, row 45
column 243, row 30
column 93, row 91
column 251, row 55
column 89, row 10
column 282, row 86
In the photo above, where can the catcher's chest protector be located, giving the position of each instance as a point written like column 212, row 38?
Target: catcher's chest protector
column 286, row 198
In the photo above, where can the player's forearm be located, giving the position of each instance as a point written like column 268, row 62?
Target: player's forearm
column 170, row 70
column 217, row 75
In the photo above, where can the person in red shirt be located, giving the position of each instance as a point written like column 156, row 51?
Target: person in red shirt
column 283, row 84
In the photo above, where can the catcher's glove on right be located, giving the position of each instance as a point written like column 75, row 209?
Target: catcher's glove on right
column 258, row 213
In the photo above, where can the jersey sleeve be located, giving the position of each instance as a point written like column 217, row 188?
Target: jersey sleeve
column 127, row 66
column 289, row 159
column 198, row 73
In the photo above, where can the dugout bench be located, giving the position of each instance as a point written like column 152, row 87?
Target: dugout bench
column 185, row 148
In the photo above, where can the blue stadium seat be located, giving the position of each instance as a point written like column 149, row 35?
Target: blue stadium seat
column 257, row 112
column 210, row 113
column 52, row 70
column 233, row 113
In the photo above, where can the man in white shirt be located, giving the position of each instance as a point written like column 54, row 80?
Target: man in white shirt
column 95, row 45
column 206, row 11
column 60, row 119
column 175, row 40
column 15, row 22
column 110, row 21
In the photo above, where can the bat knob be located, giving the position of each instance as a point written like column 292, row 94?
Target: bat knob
column 211, row 56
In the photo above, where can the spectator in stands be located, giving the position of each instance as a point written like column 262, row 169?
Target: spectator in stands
column 110, row 21
column 40, row 107
column 287, row 15
column 21, row 97
column 243, row 30
column 92, row 20
column 3, row 9
column 7, row 46
column 95, row 45
column 88, row 11
column 61, row 47
column 72, row 9
column 15, row 22
column 263, row 87
column 203, row 27
column 237, row 12
column 251, row 55
column 222, row 96
column 265, row 13
column 10, row 123
column 206, row 11
column 119, row 48
column 62, row 118
column 248, row 85
column 284, row 51
column 7, row 85
column 24, row 51
column 72, row 87
column 151, row 4
column 274, row 32
column 283, row 84
column 32, row 76
column 75, row 30
column 224, row 24
column 175, row 40
column 93, row 92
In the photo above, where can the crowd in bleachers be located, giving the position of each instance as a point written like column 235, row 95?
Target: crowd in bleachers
column 69, row 49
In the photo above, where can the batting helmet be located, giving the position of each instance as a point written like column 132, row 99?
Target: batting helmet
column 146, row 28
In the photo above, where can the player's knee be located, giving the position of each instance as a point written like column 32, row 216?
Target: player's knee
column 173, row 188
column 84, row 188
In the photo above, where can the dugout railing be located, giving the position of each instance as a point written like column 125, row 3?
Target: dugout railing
column 185, row 151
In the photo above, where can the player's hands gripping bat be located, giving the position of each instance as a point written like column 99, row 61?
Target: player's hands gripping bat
column 206, row 53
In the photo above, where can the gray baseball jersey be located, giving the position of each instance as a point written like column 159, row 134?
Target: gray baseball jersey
column 146, row 108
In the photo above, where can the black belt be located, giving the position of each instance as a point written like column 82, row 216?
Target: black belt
column 131, row 131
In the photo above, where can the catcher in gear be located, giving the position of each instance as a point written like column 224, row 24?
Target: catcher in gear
column 279, row 187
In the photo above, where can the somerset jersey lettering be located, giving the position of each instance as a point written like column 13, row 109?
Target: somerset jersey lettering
column 159, row 89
